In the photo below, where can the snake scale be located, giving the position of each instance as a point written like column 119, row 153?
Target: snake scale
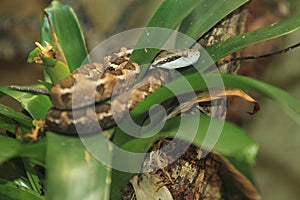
column 76, row 105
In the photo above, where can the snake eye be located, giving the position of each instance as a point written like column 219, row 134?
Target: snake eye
column 110, row 69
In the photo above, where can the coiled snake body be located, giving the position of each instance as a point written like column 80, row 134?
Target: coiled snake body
column 74, row 97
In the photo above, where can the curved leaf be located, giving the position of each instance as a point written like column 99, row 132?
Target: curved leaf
column 36, row 105
column 68, row 32
column 291, row 104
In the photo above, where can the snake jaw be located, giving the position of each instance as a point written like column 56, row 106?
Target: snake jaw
column 176, row 58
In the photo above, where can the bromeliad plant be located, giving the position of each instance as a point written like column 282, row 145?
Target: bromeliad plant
column 72, row 173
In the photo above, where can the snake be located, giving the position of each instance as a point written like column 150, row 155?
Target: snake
column 85, row 97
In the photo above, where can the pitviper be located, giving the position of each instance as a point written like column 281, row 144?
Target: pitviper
column 80, row 99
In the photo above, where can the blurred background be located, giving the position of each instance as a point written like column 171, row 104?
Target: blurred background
column 277, row 170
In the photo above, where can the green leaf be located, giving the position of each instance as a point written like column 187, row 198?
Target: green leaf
column 162, row 18
column 14, row 173
column 10, row 120
column 33, row 54
column 120, row 179
column 194, row 16
column 290, row 104
column 68, row 31
column 34, row 180
column 7, row 124
column 55, row 69
column 73, row 173
column 16, row 116
column 57, row 72
column 233, row 142
column 36, row 105
column 206, row 15
column 238, row 42
column 14, row 182
column 8, row 192
column 10, row 148
column 180, row 9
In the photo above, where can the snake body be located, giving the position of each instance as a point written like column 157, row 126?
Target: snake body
column 76, row 106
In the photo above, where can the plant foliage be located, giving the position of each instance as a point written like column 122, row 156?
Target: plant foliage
column 72, row 173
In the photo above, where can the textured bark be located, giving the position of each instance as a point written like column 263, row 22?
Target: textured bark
column 189, row 177
column 232, row 25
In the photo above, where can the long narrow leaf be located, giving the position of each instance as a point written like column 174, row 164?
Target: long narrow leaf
column 238, row 42
column 14, row 193
column 16, row 116
column 7, row 124
column 162, row 18
column 291, row 104
column 71, row 174
column 68, row 31
column 233, row 142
